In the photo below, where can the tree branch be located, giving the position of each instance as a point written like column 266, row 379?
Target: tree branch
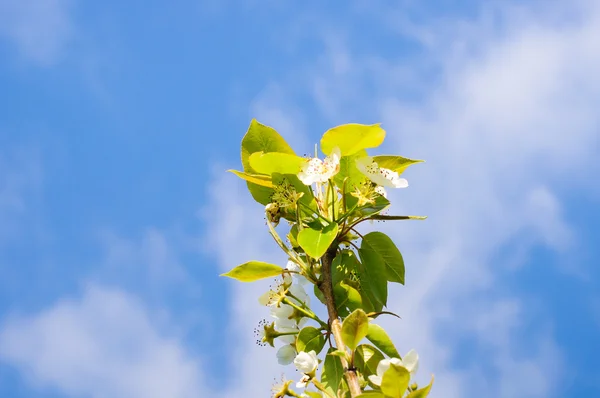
column 326, row 287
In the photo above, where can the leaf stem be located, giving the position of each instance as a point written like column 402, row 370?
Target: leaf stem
column 332, row 189
column 275, row 236
column 308, row 313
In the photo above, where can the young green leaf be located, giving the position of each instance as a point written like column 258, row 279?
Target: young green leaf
column 342, row 266
column 346, row 296
column 373, row 281
column 378, row 336
column 310, row 339
column 378, row 247
column 316, row 242
column 276, row 162
column 352, row 137
column 253, row 271
column 371, row 394
column 355, row 328
column 332, row 373
column 421, row 392
column 261, row 138
column 313, row 394
column 366, row 359
column 349, row 170
column 395, row 163
column 395, row 381
column 395, row 218
column 257, row 179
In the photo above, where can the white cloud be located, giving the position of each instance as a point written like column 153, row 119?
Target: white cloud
column 508, row 124
column 39, row 29
column 153, row 260
column 101, row 345
column 20, row 185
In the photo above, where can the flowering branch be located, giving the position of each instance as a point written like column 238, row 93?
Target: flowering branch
column 324, row 201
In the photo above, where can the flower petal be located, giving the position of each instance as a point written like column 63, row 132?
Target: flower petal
column 286, row 354
column 411, row 361
column 375, row 380
column 382, row 366
column 306, row 362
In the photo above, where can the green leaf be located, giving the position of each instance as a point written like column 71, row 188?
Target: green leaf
column 342, row 266
column 393, row 218
column 257, row 179
column 378, row 247
column 253, row 271
column 313, row 394
column 355, row 328
column 338, row 353
column 261, row 138
column 371, row 394
column 332, row 373
column 310, row 339
column 293, row 236
column 421, row 392
column 352, row 137
column 276, row 162
column 318, row 294
column 381, row 203
column 346, row 296
column 378, row 336
column 366, row 359
column 395, row 381
column 349, row 170
column 373, row 281
column 395, row 163
column 314, row 242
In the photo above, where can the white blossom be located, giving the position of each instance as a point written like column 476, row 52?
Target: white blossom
column 297, row 276
column 286, row 354
column 379, row 175
column 410, row 362
column 317, row 170
column 306, row 362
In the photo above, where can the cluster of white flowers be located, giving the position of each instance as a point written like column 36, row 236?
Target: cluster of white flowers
column 316, row 170
column 287, row 319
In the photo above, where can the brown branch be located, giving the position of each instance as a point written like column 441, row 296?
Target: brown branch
column 326, row 287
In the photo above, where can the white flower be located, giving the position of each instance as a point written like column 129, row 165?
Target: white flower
column 410, row 363
column 283, row 316
column 288, row 338
column 317, row 170
column 298, row 291
column 379, row 175
column 272, row 297
column 306, row 362
column 285, row 355
column 298, row 277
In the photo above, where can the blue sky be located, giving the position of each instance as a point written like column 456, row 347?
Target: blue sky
column 117, row 123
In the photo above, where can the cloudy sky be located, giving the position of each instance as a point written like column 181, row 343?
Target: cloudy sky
column 117, row 123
